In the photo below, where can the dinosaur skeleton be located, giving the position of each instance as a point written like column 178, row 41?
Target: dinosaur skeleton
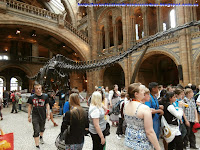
column 58, row 68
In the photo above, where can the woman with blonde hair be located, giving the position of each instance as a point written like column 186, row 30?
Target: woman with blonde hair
column 76, row 118
column 139, row 132
column 97, row 122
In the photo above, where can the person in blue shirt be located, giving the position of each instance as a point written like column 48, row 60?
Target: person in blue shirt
column 66, row 107
column 156, row 109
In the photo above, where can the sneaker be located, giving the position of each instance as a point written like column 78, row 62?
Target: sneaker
column 118, row 137
column 186, row 147
column 38, row 147
column 41, row 141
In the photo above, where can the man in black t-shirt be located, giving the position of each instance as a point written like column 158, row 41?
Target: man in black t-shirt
column 38, row 103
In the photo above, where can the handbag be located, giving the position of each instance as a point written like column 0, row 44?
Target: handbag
column 167, row 132
column 60, row 142
column 6, row 141
column 61, row 138
column 106, row 132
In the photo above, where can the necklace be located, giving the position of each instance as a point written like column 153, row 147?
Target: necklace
column 136, row 100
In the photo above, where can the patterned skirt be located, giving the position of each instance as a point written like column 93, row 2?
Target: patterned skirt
column 136, row 139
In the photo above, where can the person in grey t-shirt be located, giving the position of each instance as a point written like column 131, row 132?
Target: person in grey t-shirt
column 97, row 122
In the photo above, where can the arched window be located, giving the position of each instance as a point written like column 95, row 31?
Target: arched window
column 1, row 88
column 13, row 84
column 172, row 18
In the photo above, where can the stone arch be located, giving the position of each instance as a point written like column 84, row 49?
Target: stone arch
column 22, row 67
column 19, row 72
column 116, row 70
column 116, row 11
column 66, row 36
column 170, row 54
column 158, row 72
column 4, row 80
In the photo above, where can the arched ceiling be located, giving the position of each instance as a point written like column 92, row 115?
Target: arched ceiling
column 43, row 38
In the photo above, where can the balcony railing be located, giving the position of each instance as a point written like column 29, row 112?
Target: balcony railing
column 47, row 15
column 75, row 31
column 33, row 59
column 31, row 9
column 29, row 59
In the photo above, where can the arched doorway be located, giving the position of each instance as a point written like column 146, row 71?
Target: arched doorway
column 158, row 68
column 16, row 79
column 114, row 75
column 15, row 84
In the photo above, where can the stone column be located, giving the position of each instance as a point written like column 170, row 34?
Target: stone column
column 100, row 40
column 115, row 36
column 50, row 54
column 145, row 21
column 184, row 44
column 35, row 52
column 92, row 35
column 107, row 36
column 159, row 16
column 133, row 34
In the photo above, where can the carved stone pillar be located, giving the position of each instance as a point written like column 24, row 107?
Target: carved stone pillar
column 184, row 45
column 100, row 40
column 145, row 21
column 133, row 35
column 159, row 16
column 115, row 36
column 107, row 36
column 35, row 51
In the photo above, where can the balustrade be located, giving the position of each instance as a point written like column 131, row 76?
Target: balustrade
column 43, row 13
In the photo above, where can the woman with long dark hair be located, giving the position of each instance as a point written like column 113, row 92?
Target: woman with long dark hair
column 76, row 118
column 172, row 116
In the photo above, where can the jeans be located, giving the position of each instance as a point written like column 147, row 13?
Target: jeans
column 20, row 106
column 190, row 136
column 74, row 147
column 14, row 107
column 156, row 127
column 119, row 128
column 183, row 130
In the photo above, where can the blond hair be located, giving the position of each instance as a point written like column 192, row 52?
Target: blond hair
column 187, row 91
column 146, row 90
column 96, row 99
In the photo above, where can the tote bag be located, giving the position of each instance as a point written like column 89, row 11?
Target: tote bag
column 6, row 141
column 167, row 132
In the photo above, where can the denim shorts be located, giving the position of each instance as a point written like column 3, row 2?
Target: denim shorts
column 74, row 147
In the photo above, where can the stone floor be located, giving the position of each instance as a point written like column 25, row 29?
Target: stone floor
column 23, row 140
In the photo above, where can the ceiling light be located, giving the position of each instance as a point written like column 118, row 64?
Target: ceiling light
column 64, row 45
column 5, row 57
column 6, row 49
column 18, row 31
column 33, row 33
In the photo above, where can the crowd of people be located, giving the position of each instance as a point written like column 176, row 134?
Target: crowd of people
column 136, row 113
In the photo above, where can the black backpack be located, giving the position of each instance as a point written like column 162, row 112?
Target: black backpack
column 116, row 108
